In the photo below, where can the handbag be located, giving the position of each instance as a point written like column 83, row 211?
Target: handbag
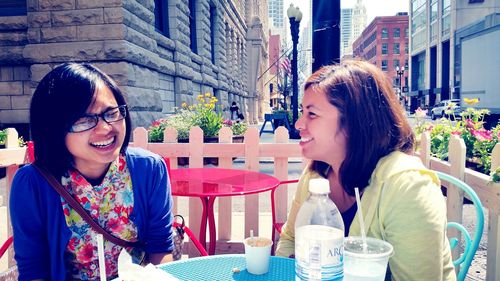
column 178, row 237
column 82, row 212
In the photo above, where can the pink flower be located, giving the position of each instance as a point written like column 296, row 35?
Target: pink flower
column 456, row 133
column 469, row 124
column 420, row 112
column 228, row 122
column 85, row 253
column 482, row 135
column 115, row 225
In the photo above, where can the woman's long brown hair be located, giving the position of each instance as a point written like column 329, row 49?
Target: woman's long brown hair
column 370, row 114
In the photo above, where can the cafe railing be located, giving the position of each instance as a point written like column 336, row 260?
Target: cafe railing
column 281, row 152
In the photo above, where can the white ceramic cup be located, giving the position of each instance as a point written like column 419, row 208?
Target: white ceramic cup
column 257, row 254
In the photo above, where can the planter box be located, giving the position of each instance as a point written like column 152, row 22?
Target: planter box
column 184, row 161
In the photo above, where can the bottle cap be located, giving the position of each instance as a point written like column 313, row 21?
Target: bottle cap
column 319, row 186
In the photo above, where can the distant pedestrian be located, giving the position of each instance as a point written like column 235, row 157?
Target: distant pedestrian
column 234, row 111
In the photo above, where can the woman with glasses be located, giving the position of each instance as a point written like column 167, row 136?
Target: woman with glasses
column 81, row 129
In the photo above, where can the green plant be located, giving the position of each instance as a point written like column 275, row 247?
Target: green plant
column 3, row 138
column 495, row 175
column 479, row 142
column 202, row 114
column 237, row 127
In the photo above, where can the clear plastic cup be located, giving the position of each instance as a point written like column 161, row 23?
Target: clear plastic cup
column 366, row 266
column 257, row 254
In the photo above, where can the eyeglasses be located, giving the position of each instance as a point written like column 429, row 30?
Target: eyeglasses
column 89, row 121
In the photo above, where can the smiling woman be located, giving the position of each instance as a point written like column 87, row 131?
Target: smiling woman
column 81, row 128
column 355, row 131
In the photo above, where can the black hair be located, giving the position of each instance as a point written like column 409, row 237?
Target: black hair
column 61, row 98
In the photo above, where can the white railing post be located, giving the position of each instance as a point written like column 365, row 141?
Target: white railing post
column 493, row 252
column 12, row 141
column 455, row 196
column 225, row 203
column 141, row 138
column 196, row 152
column 252, row 164
column 170, row 136
column 281, row 172
column 425, row 149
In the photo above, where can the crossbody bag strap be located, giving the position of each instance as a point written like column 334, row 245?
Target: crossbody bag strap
column 81, row 211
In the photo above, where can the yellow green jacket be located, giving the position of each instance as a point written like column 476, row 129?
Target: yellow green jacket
column 402, row 205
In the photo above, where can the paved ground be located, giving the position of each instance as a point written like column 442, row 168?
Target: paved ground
column 476, row 272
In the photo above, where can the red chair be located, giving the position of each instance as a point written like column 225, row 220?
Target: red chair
column 31, row 151
column 186, row 229
column 6, row 246
column 277, row 226
column 167, row 162
column 192, row 237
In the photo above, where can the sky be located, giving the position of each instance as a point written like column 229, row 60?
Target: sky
column 373, row 7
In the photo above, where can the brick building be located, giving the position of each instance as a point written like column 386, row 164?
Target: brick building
column 384, row 42
column 161, row 52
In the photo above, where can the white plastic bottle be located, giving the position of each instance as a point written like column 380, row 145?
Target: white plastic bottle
column 319, row 236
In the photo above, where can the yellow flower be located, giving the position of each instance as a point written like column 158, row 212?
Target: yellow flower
column 208, row 95
column 191, row 107
column 184, row 105
column 471, row 101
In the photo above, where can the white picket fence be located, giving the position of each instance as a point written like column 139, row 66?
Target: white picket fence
column 281, row 151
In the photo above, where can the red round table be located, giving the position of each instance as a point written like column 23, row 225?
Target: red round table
column 210, row 183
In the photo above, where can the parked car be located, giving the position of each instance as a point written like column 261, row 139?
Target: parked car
column 439, row 110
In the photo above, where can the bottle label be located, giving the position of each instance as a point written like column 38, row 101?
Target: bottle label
column 319, row 253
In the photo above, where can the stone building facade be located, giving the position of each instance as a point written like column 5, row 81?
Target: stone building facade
column 161, row 52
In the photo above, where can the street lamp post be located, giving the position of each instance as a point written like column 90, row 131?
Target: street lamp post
column 295, row 15
column 400, row 72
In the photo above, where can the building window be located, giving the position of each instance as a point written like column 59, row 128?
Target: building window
column 384, row 65
column 434, row 11
column 446, row 6
column 406, row 64
column 192, row 26
column 395, row 63
column 161, row 17
column 406, row 48
column 406, row 32
column 396, row 32
column 12, row 7
column 395, row 49
column 213, row 31
column 385, row 34
column 384, row 49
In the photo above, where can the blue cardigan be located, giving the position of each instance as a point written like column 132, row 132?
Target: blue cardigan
column 40, row 231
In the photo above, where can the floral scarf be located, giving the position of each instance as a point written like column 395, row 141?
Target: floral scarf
column 110, row 204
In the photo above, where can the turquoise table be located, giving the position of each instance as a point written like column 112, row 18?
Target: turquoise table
column 220, row 267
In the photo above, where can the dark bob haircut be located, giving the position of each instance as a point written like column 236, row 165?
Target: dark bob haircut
column 370, row 114
column 61, row 98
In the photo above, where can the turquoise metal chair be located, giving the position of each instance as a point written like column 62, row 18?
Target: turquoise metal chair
column 471, row 245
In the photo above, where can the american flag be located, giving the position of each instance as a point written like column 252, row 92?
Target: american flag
column 286, row 65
